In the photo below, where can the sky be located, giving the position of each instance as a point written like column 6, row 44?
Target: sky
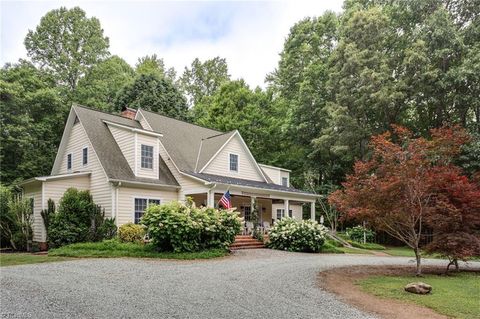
column 249, row 34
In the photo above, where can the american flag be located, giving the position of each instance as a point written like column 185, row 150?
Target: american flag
column 226, row 200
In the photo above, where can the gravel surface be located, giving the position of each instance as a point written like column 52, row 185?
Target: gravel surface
column 250, row 284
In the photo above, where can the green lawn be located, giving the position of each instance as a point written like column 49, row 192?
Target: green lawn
column 456, row 295
column 399, row 251
column 13, row 259
column 113, row 248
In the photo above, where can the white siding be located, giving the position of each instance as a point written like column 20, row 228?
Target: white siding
column 296, row 211
column 144, row 123
column 273, row 173
column 35, row 192
column 127, row 195
column 150, row 141
column 246, row 166
column 126, row 141
column 284, row 174
column 99, row 187
column 54, row 189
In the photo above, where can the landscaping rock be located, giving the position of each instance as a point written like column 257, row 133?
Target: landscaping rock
column 420, row 288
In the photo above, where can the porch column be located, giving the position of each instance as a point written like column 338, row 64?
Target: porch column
column 312, row 210
column 286, row 208
column 211, row 198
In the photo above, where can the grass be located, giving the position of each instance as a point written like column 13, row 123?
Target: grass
column 14, row 259
column 455, row 295
column 348, row 250
column 400, row 251
column 114, row 248
column 368, row 246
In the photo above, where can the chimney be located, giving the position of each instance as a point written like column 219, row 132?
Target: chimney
column 128, row 113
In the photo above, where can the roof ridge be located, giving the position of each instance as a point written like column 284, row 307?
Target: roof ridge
column 184, row 121
column 101, row 111
column 206, row 138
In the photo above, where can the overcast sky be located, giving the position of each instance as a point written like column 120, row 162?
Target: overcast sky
column 249, row 35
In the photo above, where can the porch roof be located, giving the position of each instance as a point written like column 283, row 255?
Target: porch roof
column 247, row 183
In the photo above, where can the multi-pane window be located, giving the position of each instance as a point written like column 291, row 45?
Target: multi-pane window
column 234, row 162
column 281, row 213
column 85, row 156
column 147, row 156
column 69, row 161
column 290, row 213
column 285, row 181
column 141, row 205
column 247, row 211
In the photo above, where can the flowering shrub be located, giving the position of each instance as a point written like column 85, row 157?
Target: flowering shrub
column 297, row 235
column 182, row 227
column 356, row 234
column 131, row 233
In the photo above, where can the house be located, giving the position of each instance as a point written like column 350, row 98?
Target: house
column 131, row 160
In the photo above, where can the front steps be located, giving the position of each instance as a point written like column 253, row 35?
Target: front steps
column 246, row 242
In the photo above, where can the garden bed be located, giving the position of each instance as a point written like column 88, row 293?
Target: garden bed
column 380, row 290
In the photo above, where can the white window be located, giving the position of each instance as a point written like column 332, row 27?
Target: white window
column 69, row 161
column 285, row 181
column 147, row 156
column 85, row 156
column 281, row 213
column 141, row 205
column 247, row 212
column 234, row 162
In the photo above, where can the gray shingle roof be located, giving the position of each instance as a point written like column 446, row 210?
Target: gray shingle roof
column 182, row 140
column 109, row 153
column 244, row 182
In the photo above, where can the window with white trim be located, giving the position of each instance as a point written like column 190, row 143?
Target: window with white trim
column 69, row 161
column 85, row 156
column 247, row 213
column 233, row 162
column 285, row 181
column 141, row 205
column 281, row 213
column 147, row 156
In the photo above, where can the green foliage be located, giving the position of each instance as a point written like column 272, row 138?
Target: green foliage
column 131, row 233
column 48, row 214
column 115, row 249
column 153, row 65
column 14, row 259
column 16, row 219
column 368, row 246
column 153, row 93
column 331, row 247
column 185, row 228
column 102, row 82
column 357, row 234
column 297, row 235
column 78, row 219
column 67, row 43
column 203, row 79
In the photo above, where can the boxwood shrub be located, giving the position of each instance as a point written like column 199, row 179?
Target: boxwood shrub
column 297, row 235
column 131, row 233
column 180, row 227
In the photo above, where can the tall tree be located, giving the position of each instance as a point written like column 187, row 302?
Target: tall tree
column 67, row 43
column 100, row 86
column 202, row 79
column 153, row 65
column 234, row 106
column 31, row 116
column 154, row 93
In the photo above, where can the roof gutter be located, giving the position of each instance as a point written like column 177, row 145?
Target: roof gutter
column 133, row 129
column 120, row 181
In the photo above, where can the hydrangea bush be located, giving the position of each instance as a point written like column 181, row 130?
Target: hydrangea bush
column 180, row 227
column 356, row 234
column 297, row 235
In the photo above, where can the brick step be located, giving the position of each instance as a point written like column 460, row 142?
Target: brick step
column 245, row 240
column 253, row 243
column 258, row 246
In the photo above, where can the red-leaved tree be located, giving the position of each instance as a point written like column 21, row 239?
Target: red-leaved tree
column 397, row 190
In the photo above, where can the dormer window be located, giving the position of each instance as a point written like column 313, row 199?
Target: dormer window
column 69, row 162
column 285, row 181
column 233, row 162
column 147, row 157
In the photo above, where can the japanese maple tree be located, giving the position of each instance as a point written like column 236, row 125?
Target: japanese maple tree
column 398, row 189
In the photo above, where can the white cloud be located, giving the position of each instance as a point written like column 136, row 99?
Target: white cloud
column 249, row 35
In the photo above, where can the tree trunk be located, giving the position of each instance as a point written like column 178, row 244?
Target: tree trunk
column 418, row 257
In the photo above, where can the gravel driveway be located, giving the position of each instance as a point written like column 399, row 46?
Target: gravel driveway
column 250, row 284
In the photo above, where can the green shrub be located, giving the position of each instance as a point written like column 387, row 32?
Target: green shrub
column 297, row 235
column 331, row 247
column 131, row 233
column 182, row 227
column 356, row 234
column 78, row 219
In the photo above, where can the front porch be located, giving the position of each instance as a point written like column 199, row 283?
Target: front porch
column 271, row 207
